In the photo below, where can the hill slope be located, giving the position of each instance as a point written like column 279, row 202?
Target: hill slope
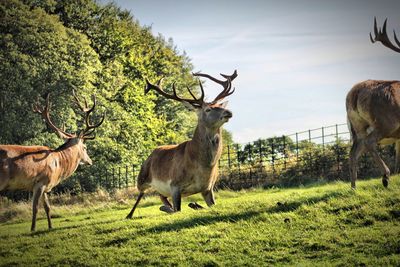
column 328, row 224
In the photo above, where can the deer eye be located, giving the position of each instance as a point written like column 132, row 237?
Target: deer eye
column 208, row 110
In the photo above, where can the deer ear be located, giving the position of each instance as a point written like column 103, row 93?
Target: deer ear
column 188, row 105
column 224, row 104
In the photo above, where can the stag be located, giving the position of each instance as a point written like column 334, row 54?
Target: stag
column 373, row 113
column 191, row 167
column 38, row 168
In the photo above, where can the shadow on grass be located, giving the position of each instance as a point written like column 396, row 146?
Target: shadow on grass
column 67, row 227
column 234, row 217
column 185, row 224
column 231, row 217
column 294, row 205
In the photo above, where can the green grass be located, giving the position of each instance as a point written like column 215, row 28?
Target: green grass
column 320, row 225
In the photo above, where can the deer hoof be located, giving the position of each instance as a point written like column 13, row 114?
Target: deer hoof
column 166, row 209
column 195, row 206
column 385, row 181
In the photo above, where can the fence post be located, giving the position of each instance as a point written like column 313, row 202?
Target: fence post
column 250, row 154
column 337, row 133
column 98, row 179
column 238, row 159
column 119, row 177
column 323, row 151
column 113, row 178
column 107, row 180
column 309, row 153
column 297, row 148
column 250, row 160
column 273, row 155
column 133, row 175
column 284, row 151
column 229, row 158
column 337, row 150
column 126, row 176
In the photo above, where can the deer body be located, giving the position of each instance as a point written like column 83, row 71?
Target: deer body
column 22, row 167
column 192, row 166
column 373, row 113
column 38, row 168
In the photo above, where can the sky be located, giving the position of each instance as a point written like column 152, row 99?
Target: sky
column 296, row 60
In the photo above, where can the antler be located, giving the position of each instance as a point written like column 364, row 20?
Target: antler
column 196, row 102
column 44, row 112
column 227, row 84
column 90, row 128
column 381, row 36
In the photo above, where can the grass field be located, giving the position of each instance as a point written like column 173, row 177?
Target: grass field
column 319, row 225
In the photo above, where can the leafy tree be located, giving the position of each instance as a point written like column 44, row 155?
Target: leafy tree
column 56, row 46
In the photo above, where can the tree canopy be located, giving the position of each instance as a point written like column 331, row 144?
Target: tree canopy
column 55, row 46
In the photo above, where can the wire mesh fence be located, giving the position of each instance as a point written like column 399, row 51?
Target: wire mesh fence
column 287, row 160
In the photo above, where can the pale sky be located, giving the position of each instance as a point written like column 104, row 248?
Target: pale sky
column 296, row 60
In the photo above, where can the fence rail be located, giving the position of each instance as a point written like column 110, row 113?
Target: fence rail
column 287, row 160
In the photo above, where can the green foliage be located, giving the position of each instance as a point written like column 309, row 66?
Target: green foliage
column 278, row 161
column 328, row 225
column 56, row 46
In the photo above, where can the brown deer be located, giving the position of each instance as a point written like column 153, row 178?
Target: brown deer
column 192, row 166
column 373, row 112
column 39, row 168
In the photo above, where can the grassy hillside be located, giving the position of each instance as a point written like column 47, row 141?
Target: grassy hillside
column 324, row 225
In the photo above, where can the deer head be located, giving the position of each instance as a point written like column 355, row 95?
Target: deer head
column 381, row 36
column 73, row 139
column 211, row 114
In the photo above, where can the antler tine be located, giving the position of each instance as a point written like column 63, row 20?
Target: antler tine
column 44, row 112
column 78, row 102
column 227, row 84
column 395, row 38
column 231, row 77
column 196, row 102
column 381, row 36
column 226, row 92
column 90, row 128
column 223, row 83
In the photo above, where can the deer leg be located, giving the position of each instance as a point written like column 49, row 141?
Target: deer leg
column 37, row 194
column 165, row 201
column 397, row 162
column 3, row 182
column 176, row 198
column 167, row 207
column 209, row 197
column 195, row 206
column 46, row 205
column 371, row 144
column 4, row 176
column 129, row 216
column 355, row 153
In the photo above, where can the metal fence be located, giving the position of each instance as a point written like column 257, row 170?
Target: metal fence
column 287, row 160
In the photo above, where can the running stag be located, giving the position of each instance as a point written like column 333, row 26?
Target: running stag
column 190, row 167
column 373, row 112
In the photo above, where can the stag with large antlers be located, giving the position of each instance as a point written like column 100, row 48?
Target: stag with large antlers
column 373, row 112
column 190, row 167
column 39, row 168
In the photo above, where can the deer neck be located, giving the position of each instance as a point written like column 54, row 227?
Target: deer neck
column 207, row 145
column 68, row 159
